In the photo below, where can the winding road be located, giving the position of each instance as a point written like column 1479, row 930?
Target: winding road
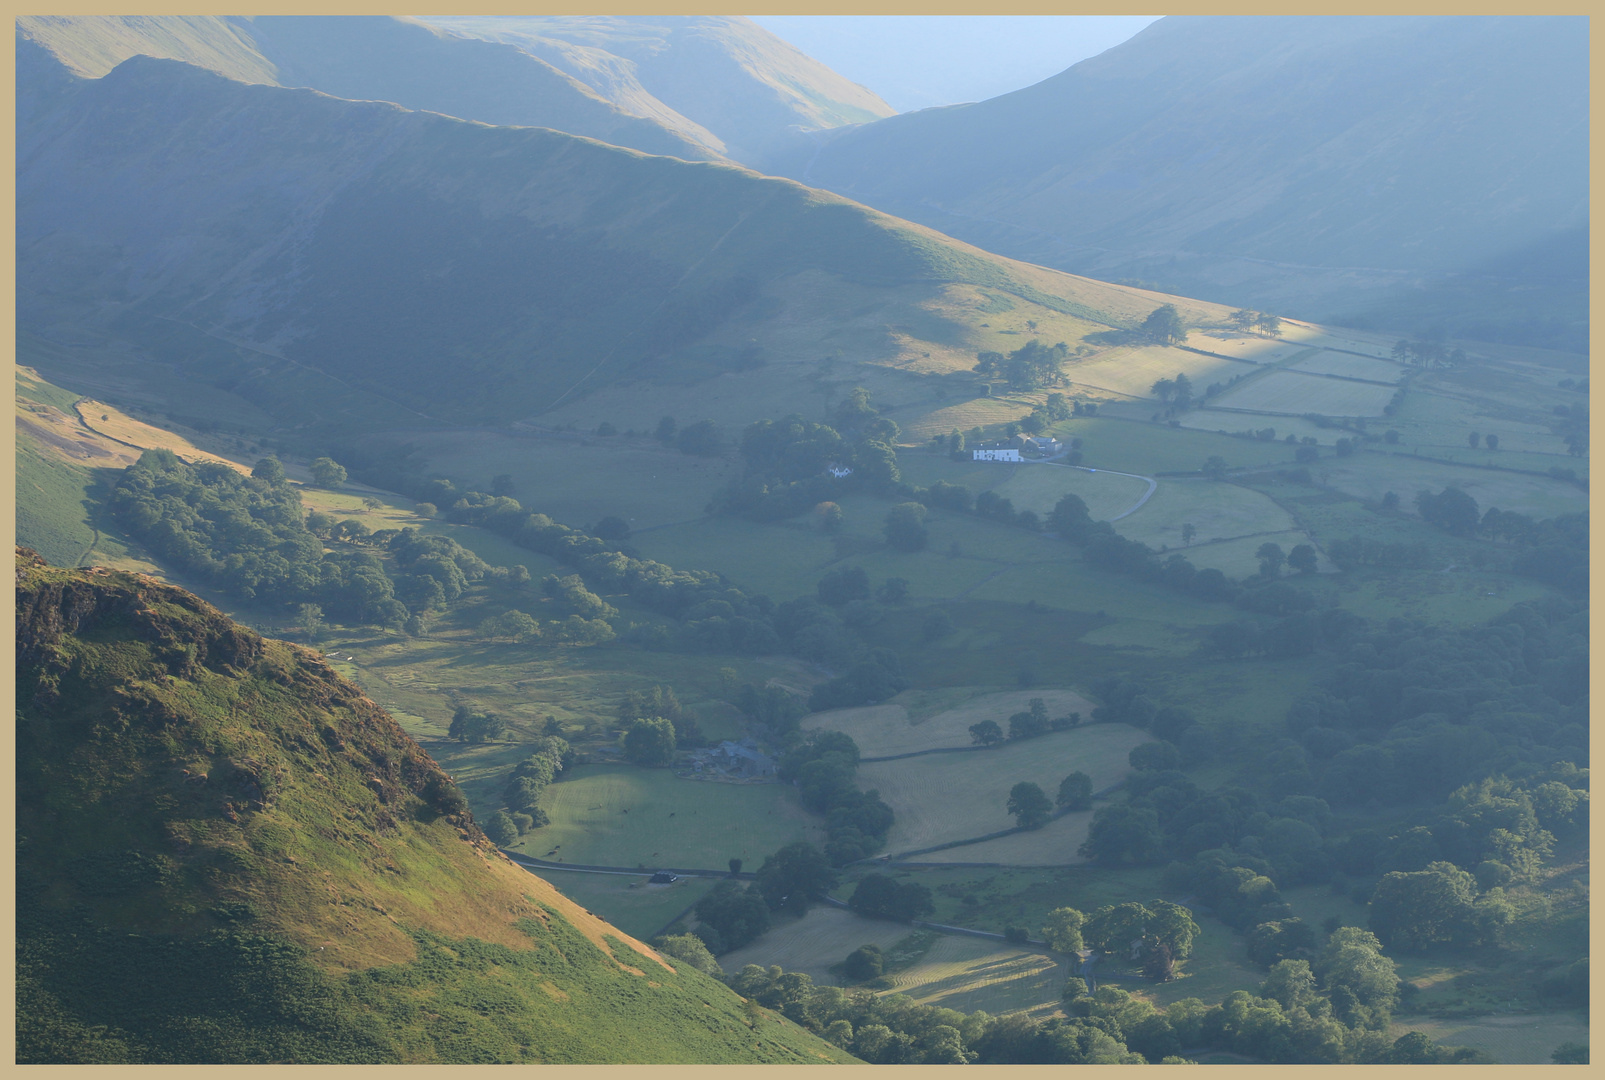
column 1153, row 485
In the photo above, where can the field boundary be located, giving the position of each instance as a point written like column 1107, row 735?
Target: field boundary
column 888, row 860
column 963, row 931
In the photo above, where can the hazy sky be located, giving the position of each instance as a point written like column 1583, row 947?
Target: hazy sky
column 917, row 61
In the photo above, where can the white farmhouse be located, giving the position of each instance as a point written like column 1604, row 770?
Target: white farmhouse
column 996, row 451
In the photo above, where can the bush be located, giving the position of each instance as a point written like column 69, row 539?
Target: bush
column 905, row 527
column 650, row 741
column 501, row 828
column 690, row 949
column 865, row 963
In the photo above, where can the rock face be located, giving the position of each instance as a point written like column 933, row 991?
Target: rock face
column 226, row 852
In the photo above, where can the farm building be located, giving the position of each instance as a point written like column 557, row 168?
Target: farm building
column 997, row 451
column 742, row 760
column 1038, row 444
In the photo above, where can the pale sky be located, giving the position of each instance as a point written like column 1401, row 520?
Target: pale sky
column 917, row 61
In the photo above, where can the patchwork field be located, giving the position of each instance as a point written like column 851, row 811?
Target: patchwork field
column 1133, row 371
column 1354, row 367
column 814, row 943
column 1295, row 394
column 943, row 797
column 1219, row 511
column 1369, row 476
column 620, row 815
column 632, row 904
column 1040, row 487
column 885, row 729
column 1260, row 350
column 973, row 974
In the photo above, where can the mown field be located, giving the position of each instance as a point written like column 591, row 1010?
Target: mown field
column 1261, row 350
column 942, row 797
column 816, row 942
column 976, row 975
column 1132, row 370
column 624, row 815
column 1295, row 394
column 889, row 728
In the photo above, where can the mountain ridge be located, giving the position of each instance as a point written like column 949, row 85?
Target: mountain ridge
column 226, row 852
column 528, row 257
column 1206, row 144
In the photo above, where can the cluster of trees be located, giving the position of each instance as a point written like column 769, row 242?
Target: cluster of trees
column 521, row 795
column 786, row 461
column 1164, row 325
column 1553, row 550
column 1298, row 633
column 1246, row 320
column 713, row 615
column 1292, row 1019
column 1030, row 367
column 661, row 702
column 703, row 438
column 1177, row 392
column 244, row 533
column 470, row 725
column 247, row 535
column 1413, row 712
column 1027, row 724
column 586, row 622
column 823, row 767
column 649, row 740
column 791, row 879
column 880, row 897
column 1109, row 550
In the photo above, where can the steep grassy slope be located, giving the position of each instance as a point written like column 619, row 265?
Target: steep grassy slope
column 709, row 77
column 1311, row 164
column 226, row 853
column 352, row 264
column 363, row 57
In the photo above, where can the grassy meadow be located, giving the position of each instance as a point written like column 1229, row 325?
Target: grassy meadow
column 624, row 815
column 943, row 797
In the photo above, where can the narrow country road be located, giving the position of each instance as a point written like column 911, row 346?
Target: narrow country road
column 1153, row 484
